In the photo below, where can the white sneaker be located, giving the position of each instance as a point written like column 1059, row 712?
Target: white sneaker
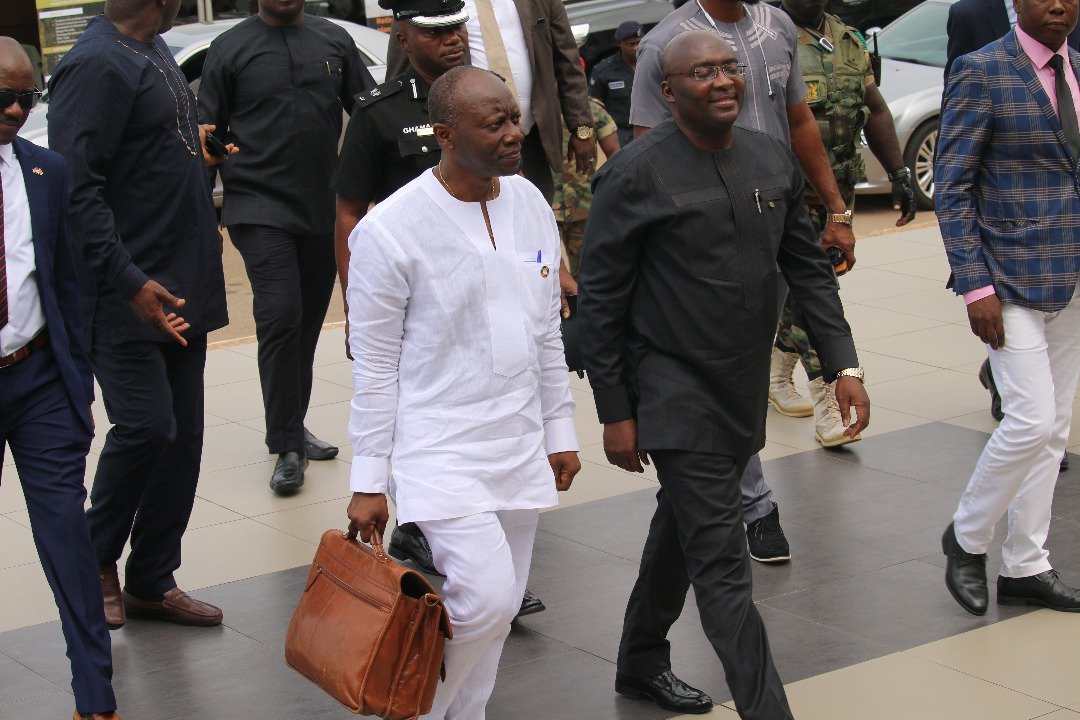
column 782, row 393
column 828, row 427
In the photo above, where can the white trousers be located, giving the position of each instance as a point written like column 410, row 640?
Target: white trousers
column 486, row 559
column 1036, row 373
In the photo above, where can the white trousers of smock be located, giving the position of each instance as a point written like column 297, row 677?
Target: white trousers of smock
column 1036, row 374
column 486, row 559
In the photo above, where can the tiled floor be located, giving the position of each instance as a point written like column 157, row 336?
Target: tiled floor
column 860, row 623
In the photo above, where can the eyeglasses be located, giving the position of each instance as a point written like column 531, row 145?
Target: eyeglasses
column 26, row 100
column 706, row 73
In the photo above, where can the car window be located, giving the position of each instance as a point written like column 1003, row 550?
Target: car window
column 918, row 36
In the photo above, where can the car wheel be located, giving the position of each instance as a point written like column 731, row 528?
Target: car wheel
column 919, row 156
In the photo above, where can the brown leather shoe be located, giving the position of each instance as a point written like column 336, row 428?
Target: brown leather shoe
column 114, row 603
column 96, row 716
column 175, row 606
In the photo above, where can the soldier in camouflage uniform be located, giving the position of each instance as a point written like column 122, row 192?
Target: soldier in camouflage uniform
column 573, row 196
column 845, row 100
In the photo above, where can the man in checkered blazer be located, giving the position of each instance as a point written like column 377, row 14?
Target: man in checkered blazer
column 1008, row 202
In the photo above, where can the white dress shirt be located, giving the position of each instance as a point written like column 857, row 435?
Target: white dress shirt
column 517, row 52
column 25, row 317
column 461, row 386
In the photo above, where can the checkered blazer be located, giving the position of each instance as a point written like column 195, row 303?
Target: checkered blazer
column 1006, row 190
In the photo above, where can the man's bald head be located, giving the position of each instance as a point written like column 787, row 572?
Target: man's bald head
column 458, row 88
column 16, row 76
column 13, row 56
column 703, row 81
column 688, row 48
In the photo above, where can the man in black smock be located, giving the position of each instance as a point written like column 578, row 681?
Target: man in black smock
column 142, row 219
column 276, row 85
column 678, row 310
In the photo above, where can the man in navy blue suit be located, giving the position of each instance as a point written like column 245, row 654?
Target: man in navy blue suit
column 46, row 386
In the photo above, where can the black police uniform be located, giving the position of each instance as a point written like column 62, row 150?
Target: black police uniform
column 389, row 141
column 610, row 83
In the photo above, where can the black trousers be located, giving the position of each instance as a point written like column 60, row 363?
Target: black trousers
column 697, row 538
column 49, row 442
column 292, row 278
column 148, row 470
column 535, row 166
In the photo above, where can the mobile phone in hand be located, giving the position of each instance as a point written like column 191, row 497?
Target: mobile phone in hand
column 215, row 147
column 836, row 257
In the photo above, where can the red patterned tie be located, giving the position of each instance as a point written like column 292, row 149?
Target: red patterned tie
column 3, row 264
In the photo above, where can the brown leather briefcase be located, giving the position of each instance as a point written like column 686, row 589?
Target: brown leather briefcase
column 368, row 631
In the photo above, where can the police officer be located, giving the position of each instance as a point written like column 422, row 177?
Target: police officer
column 845, row 100
column 613, row 77
column 388, row 143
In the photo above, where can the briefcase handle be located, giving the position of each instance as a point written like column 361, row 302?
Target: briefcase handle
column 376, row 541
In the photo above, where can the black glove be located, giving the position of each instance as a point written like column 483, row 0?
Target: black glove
column 903, row 191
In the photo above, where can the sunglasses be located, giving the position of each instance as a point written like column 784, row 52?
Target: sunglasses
column 26, row 100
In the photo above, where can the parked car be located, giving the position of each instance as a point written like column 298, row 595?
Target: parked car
column 913, row 52
column 594, row 23
column 189, row 44
column 864, row 14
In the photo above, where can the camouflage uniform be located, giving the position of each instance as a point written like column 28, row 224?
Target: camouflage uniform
column 573, row 196
column 835, row 91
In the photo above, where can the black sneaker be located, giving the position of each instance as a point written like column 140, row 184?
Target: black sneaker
column 766, row 539
column 414, row 547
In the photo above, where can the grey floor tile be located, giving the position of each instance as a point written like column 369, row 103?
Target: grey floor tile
column 616, row 525
column 47, row 707
column 525, row 646
column 260, row 607
column 936, row 452
column 878, row 508
column 899, row 607
column 17, row 683
column 569, row 686
column 585, row 609
column 253, row 684
column 138, row 647
column 818, row 557
column 554, row 555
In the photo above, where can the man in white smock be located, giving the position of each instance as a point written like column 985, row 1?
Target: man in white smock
column 462, row 409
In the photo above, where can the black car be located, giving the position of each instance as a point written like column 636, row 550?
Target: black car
column 596, row 20
column 866, row 14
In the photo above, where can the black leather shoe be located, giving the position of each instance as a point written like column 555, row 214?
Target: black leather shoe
column 1043, row 590
column 530, row 605
column 965, row 574
column 288, row 474
column 666, row 690
column 316, row 449
column 1064, row 462
column 986, row 377
column 413, row 547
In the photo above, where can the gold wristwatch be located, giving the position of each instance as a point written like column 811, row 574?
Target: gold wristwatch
column 583, row 132
column 843, row 218
column 855, row 372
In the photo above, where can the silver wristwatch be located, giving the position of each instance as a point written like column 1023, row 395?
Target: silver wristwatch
column 855, row 372
column 843, row 218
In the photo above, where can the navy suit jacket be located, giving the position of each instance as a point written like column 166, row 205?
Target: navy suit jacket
column 45, row 175
column 973, row 24
column 1006, row 189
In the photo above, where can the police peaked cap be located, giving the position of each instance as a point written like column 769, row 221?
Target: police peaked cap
column 427, row 13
